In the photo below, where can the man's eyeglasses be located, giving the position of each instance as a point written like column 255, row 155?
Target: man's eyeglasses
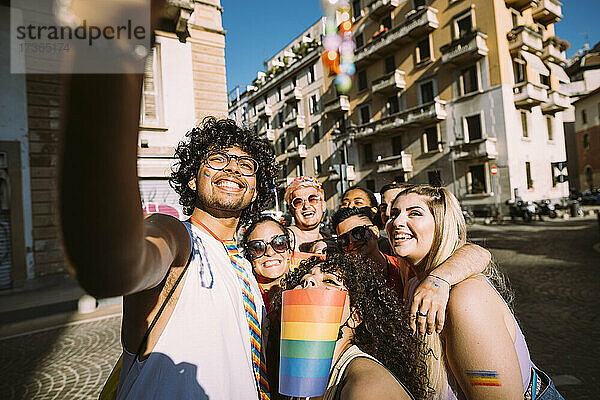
column 356, row 234
column 257, row 248
column 219, row 160
column 313, row 200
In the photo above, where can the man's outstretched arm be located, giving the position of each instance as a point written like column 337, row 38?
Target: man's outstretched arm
column 108, row 247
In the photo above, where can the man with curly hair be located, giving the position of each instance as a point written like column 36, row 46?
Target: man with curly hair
column 192, row 310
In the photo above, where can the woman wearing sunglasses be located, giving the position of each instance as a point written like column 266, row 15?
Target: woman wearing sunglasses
column 268, row 247
column 357, row 234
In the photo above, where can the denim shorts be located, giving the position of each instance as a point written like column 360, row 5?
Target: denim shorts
column 549, row 391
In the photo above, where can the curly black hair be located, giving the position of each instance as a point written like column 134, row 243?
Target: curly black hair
column 344, row 213
column 370, row 194
column 254, row 224
column 213, row 134
column 384, row 330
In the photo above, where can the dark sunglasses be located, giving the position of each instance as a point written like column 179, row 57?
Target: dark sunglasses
column 357, row 234
column 313, row 200
column 257, row 248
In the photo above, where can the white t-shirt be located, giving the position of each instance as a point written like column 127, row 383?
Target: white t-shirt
column 204, row 351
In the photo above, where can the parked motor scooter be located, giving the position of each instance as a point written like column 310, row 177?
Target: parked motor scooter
column 546, row 208
column 522, row 209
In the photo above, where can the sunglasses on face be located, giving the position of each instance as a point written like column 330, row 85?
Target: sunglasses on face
column 258, row 248
column 313, row 200
column 356, row 234
column 219, row 160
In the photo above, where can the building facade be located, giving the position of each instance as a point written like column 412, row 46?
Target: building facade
column 447, row 89
column 184, row 81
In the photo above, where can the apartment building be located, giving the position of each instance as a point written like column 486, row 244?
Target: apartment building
column 185, row 80
column 447, row 89
column 287, row 103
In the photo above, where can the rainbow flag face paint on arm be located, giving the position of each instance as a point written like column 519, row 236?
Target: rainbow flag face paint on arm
column 310, row 321
column 483, row 378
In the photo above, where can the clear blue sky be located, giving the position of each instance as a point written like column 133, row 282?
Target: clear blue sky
column 257, row 29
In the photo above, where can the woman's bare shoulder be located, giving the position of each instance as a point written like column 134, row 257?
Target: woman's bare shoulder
column 366, row 379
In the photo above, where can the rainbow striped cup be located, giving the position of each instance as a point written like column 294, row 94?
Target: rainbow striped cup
column 310, row 322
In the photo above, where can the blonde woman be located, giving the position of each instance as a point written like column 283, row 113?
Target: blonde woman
column 481, row 352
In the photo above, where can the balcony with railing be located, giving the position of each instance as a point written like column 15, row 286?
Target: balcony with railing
column 466, row 49
column 547, row 11
column 267, row 133
column 553, row 52
column 264, row 111
column 418, row 23
column 377, row 8
column 338, row 105
column 520, row 5
column 557, row 101
column 295, row 122
column 401, row 162
column 333, row 173
column 389, row 83
column 529, row 94
column 293, row 94
column 524, row 38
column 476, row 149
column 413, row 117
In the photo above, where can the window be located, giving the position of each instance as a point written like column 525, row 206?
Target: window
column 474, row 131
column 356, row 10
column 293, row 81
column 282, row 144
column 313, row 104
column 476, row 179
column 279, row 119
column 468, row 81
column 151, row 110
column 589, row 176
column 430, row 139
column 397, row 145
column 515, row 19
column 423, row 50
column 316, row 135
column 360, row 40
column 371, row 185
column 278, row 93
column 427, row 93
column 463, row 25
column 524, row 123
column 554, row 180
column 545, row 80
column 419, row 3
column 364, row 114
column 583, row 117
column 386, row 23
column 317, row 165
column 299, row 169
column 586, row 140
column 392, row 105
column 362, row 80
column 368, row 152
column 528, row 175
column 311, row 73
column 519, row 70
column 434, row 178
column 549, row 123
column 389, row 64
column 399, row 179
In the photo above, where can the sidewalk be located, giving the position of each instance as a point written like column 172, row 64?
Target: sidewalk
column 49, row 301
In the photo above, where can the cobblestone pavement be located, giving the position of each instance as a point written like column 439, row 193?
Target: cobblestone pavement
column 552, row 267
column 68, row 362
column 555, row 274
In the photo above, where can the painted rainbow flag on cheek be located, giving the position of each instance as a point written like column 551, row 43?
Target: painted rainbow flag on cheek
column 310, row 322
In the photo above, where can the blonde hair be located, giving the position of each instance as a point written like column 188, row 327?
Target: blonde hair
column 450, row 233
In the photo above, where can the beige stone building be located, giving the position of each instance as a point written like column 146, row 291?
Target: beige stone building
column 447, row 89
column 185, row 80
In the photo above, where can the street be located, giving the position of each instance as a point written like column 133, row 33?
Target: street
column 552, row 267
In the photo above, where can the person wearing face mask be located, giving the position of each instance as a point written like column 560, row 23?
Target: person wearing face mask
column 306, row 201
column 357, row 234
column 267, row 245
column 376, row 355
column 481, row 352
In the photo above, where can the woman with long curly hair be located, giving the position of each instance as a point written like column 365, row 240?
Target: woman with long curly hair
column 481, row 352
column 376, row 355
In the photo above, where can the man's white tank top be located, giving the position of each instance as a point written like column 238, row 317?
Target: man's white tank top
column 204, row 351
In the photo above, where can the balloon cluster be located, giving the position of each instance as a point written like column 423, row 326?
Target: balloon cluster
column 338, row 43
